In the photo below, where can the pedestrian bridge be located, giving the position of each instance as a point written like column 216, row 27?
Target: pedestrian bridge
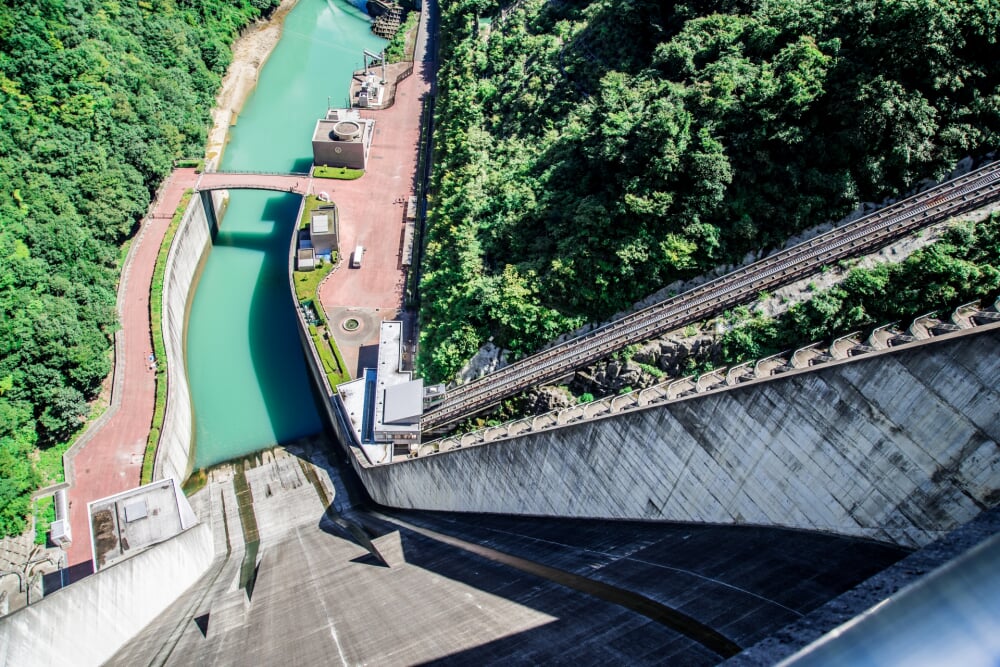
column 297, row 182
column 300, row 183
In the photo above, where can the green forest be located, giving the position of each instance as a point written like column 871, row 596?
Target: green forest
column 97, row 99
column 589, row 153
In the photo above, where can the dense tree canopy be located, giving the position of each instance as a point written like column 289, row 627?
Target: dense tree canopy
column 96, row 100
column 591, row 152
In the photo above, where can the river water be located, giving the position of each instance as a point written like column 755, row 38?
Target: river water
column 245, row 363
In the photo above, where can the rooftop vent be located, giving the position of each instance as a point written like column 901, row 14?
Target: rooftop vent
column 346, row 130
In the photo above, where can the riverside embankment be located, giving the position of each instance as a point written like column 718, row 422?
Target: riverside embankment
column 108, row 458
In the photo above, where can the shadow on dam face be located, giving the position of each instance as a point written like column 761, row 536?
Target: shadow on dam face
column 342, row 580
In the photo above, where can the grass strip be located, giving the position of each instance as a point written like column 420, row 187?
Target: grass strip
column 310, row 204
column 307, row 282
column 329, row 356
column 159, row 348
column 338, row 173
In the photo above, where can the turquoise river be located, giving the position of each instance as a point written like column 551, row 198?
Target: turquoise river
column 248, row 378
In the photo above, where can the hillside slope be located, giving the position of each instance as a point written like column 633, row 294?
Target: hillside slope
column 96, row 101
column 589, row 153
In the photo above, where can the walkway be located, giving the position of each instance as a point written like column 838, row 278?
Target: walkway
column 373, row 210
column 298, row 183
column 111, row 460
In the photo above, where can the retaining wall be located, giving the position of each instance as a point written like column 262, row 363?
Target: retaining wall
column 174, row 456
column 899, row 446
column 86, row 623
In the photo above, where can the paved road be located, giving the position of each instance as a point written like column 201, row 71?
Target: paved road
column 111, row 461
column 373, row 208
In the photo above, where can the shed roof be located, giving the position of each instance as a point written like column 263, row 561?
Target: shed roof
column 404, row 403
column 321, row 224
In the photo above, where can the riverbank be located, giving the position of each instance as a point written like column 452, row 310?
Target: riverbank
column 250, row 51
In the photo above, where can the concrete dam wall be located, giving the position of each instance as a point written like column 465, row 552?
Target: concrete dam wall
column 899, row 446
column 191, row 242
column 84, row 624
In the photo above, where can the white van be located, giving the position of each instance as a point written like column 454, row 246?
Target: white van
column 356, row 256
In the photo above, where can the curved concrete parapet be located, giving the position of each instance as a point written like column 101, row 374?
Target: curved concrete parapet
column 811, row 355
column 899, row 445
column 543, row 421
column 651, row 395
column 474, row 438
column 174, row 455
column 569, row 415
column 962, row 316
column 519, row 427
column 596, row 409
column 711, row 380
column 882, row 337
column 623, row 402
column 681, row 387
column 740, row 373
column 920, row 327
column 841, row 347
column 769, row 366
column 86, row 623
column 495, row 433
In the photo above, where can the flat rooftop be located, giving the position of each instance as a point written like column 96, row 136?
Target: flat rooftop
column 127, row 523
column 350, row 122
column 385, row 399
column 320, row 224
column 395, row 385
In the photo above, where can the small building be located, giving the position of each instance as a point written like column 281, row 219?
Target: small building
column 385, row 406
column 324, row 230
column 342, row 139
column 305, row 259
column 130, row 522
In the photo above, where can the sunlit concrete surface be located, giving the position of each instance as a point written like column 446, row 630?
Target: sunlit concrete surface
column 951, row 617
column 332, row 580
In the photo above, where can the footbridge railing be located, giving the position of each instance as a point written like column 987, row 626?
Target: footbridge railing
column 243, row 172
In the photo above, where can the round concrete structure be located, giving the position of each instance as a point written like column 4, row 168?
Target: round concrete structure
column 346, row 130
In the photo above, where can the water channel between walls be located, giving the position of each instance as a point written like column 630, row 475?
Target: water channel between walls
column 248, row 381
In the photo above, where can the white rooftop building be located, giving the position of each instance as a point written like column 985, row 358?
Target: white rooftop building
column 385, row 405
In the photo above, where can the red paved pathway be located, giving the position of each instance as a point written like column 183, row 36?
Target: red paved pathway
column 111, row 461
column 373, row 211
